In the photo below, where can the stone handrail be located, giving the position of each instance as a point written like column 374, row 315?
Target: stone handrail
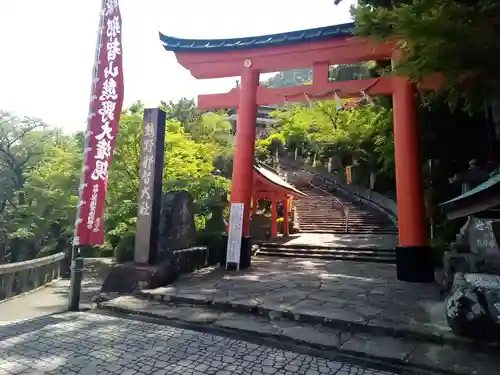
column 376, row 200
column 21, row 277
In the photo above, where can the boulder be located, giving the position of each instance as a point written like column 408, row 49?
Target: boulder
column 129, row 278
column 177, row 229
column 454, row 262
column 473, row 307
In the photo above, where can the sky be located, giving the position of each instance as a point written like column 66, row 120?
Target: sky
column 48, row 48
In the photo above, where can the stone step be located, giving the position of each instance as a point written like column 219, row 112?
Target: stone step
column 320, row 248
column 339, row 221
column 342, row 231
column 367, row 221
column 342, row 225
column 343, row 335
column 322, row 212
column 348, row 257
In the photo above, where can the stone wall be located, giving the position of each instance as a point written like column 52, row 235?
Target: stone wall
column 191, row 259
column 21, row 277
column 128, row 278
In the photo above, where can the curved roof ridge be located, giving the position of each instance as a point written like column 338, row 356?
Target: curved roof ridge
column 272, row 176
column 175, row 44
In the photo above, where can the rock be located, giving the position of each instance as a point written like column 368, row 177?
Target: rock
column 189, row 260
column 473, row 307
column 177, row 229
column 474, row 251
column 129, row 278
column 453, row 263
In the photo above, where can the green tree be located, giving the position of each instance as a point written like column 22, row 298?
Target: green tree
column 320, row 130
column 40, row 173
column 456, row 38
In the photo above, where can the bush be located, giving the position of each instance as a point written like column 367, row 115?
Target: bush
column 107, row 252
column 213, row 240
column 124, row 252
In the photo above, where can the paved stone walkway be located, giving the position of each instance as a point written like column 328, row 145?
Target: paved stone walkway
column 458, row 360
column 318, row 291
column 53, row 298
column 85, row 343
column 372, row 241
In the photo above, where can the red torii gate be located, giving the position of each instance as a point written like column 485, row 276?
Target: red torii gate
column 317, row 48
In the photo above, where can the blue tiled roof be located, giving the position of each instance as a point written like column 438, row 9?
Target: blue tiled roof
column 489, row 185
column 213, row 45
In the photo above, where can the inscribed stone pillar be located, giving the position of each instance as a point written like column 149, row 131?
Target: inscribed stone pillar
column 150, row 189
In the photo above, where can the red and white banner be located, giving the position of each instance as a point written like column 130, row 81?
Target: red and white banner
column 105, row 109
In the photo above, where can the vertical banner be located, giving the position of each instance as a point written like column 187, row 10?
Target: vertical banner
column 235, row 234
column 150, row 188
column 100, row 138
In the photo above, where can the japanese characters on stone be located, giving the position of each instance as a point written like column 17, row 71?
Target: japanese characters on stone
column 147, row 169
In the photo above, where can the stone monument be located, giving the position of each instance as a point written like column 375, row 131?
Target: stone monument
column 165, row 224
column 472, row 266
column 177, row 230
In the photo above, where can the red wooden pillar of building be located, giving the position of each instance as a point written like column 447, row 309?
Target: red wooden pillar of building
column 242, row 179
column 255, row 205
column 286, row 225
column 414, row 260
column 274, row 217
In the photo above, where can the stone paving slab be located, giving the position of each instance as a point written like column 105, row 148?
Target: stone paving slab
column 87, row 343
column 53, row 298
column 406, row 352
column 363, row 296
column 372, row 241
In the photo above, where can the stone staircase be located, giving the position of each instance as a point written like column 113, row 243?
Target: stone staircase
column 359, row 254
column 330, row 211
column 324, row 212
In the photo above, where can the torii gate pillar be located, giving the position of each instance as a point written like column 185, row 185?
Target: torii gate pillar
column 242, row 180
column 413, row 255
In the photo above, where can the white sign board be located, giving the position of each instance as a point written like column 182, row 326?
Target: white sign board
column 235, row 234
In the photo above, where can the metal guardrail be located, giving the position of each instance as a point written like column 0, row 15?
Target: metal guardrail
column 20, row 277
column 345, row 210
column 375, row 200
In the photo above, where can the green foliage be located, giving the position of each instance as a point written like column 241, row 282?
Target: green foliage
column 40, row 173
column 40, row 169
column 458, row 39
column 264, row 147
column 320, row 131
column 124, row 252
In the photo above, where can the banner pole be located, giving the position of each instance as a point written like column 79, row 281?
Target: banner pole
column 76, row 269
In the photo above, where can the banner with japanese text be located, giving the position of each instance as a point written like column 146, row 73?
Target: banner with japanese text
column 104, row 115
